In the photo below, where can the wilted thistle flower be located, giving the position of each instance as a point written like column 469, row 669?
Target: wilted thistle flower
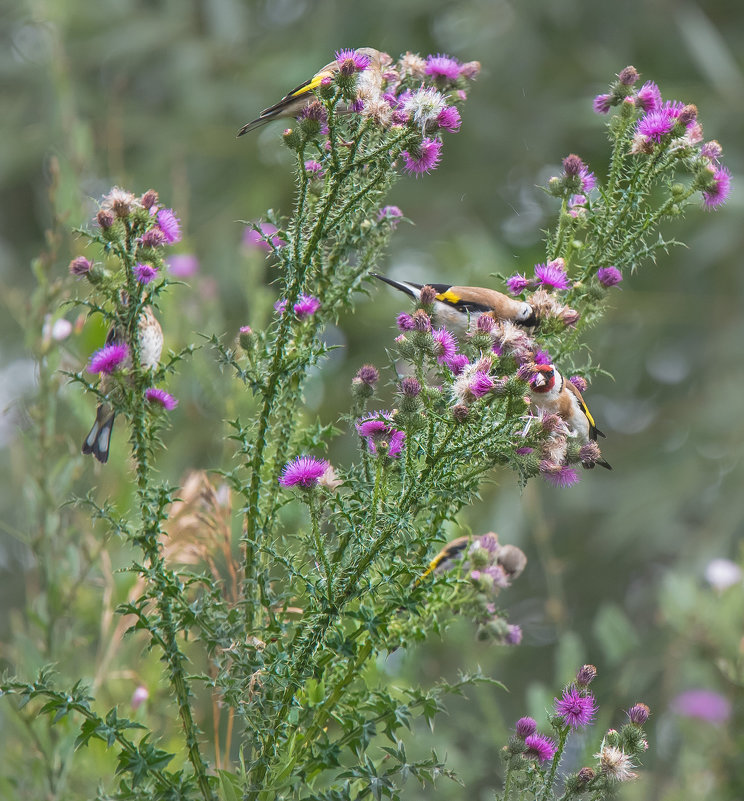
column 149, row 199
column 424, row 106
column 427, row 295
column 628, row 76
column 120, row 202
column 615, row 764
column 460, row 412
column 421, row 321
column 153, row 238
column 162, row 398
column 303, row 472
column 576, row 709
column 711, row 150
column 589, row 453
column 108, row 358
column 424, row 158
column 105, row 219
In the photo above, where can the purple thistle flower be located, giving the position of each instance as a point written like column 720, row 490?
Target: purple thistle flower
column 108, row 358
column 262, row 238
column 449, row 119
column 513, row 634
column 718, row 193
column 350, row 61
column 306, row 306
column 480, row 384
column 445, row 344
column 80, row 266
column 588, row 179
column 656, row 124
column 518, row 283
column 702, row 704
column 425, row 158
column 368, row 374
column 579, row 382
column 395, row 444
column 540, row 747
column 542, row 357
column 405, row 322
column 457, row 363
column 525, row 727
column 304, row 471
column 144, row 273
column 602, row 104
column 673, row 107
column 638, row 714
column 280, row 306
column 576, row 709
column 442, row 66
column 609, row 276
column 165, row 399
column 585, row 675
column 648, row 97
column 169, row 224
column 371, row 427
column 314, row 169
column 182, row 265
column 391, row 214
column 560, row 476
column 410, row 387
column 552, row 274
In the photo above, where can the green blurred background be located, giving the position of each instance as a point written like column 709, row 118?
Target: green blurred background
column 151, row 95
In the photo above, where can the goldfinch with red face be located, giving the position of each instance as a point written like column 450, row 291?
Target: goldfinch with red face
column 457, row 308
column 300, row 97
column 150, row 336
column 552, row 393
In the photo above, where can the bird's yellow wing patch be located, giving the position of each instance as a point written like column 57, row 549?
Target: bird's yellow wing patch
column 448, row 297
column 312, row 84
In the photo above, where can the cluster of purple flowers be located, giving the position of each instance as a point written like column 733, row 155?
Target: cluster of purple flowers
column 381, row 435
column 576, row 709
column 669, row 123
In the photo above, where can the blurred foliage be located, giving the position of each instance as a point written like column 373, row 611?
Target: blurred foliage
column 152, row 95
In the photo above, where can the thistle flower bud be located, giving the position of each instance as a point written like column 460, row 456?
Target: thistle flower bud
column 245, row 337
column 688, row 115
column 628, row 76
column 363, row 383
column 525, row 727
column 421, row 320
column 585, row 775
column 292, row 138
column 638, row 714
column 80, row 266
column 327, row 88
column 410, row 387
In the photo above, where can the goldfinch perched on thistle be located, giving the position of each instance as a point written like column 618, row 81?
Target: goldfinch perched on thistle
column 365, row 60
column 553, row 394
column 115, row 355
column 456, row 307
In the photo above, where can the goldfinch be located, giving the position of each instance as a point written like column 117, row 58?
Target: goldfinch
column 450, row 551
column 552, row 393
column 300, row 97
column 457, row 307
column 150, row 336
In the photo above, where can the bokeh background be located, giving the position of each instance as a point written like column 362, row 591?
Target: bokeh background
column 151, row 95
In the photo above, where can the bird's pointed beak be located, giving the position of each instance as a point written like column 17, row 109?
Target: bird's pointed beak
column 538, row 381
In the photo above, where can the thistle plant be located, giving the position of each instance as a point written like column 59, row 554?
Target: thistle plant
column 532, row 759
column 335, row 562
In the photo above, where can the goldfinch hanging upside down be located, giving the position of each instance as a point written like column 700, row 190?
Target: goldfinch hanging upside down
column 300, row 97
column 457, row 307
column 552, row 393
